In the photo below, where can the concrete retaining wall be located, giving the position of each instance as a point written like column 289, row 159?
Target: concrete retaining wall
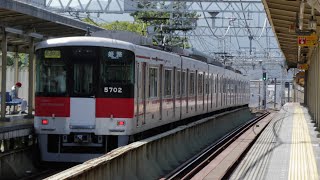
column 16, row 165
column 156, row 156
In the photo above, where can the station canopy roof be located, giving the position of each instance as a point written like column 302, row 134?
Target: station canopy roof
column 21, row 21
column 283, row 16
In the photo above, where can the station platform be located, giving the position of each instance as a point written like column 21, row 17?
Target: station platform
column 15, row 119
column 288, row 148
column 16, row 125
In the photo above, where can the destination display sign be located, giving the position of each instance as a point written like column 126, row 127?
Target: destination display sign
column 115, row 55
column 53, row 54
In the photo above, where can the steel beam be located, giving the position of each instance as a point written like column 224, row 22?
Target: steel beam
column 3, row 74
column 100, row 6
column 31, row 73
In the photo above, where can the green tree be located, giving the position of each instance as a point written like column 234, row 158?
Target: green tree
column 143, row 19
column 125, row 26
column 136, row 27
column 165, row 23
column 22, row 59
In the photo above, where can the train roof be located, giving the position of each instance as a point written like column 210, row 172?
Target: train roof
column 107, row 42
column 85, row 41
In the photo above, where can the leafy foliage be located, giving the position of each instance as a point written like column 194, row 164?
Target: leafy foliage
column 137, row 27
column 22, row 59
column 125, row 26
column 159, row 20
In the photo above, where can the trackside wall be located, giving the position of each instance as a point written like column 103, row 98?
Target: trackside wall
column 154, row 157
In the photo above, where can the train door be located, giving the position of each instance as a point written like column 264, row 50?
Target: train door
column 143, row 91
column 209, row 92
column 161, row 90
column 196, row 90
column 187, row 90
column 174, row 91
column 204, row 90
column 212, row 87
column 82, row 100
column 138, row 87
column 229, row 92
column 217, row 90
column 223, row 85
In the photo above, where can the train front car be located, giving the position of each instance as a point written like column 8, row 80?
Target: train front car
column 84, row 100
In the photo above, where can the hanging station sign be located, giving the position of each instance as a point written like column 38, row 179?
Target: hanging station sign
column 311, row 40
column 304, row 66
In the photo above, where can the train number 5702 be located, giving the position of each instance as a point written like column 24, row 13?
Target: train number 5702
column 112, row 89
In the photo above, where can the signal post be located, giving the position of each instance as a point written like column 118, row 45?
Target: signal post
column 264, row 101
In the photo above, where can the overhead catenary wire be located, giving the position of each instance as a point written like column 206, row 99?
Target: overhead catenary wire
column 263, row 28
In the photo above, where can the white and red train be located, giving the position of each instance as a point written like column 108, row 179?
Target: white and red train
column 94, row 94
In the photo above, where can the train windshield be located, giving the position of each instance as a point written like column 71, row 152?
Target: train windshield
column 51, row 73
column 117, row 66
column 116, row 73
column 85, row 71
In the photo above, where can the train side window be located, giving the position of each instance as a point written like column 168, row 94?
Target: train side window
column 215, row 84
column 192, row 82
column 178, row 80
column 208, row 77
column 226, row 90
column 153, row 82
column 183, row 83
column 83, row 79
column 167, row 82
column 200, row 83
column 212, row 83
column 223, row 85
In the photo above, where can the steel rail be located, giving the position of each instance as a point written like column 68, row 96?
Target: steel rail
column 188, row 169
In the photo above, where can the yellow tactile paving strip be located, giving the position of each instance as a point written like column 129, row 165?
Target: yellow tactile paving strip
column 287, row 149
column 302, row 160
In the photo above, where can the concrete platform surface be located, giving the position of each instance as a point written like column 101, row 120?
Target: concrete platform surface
column 287, row 149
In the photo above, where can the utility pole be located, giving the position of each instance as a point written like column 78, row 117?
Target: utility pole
column 275, row 93
column 294, row 92
column 265, row 95
column 259, row 96
column 288, row 91
column 250, row 39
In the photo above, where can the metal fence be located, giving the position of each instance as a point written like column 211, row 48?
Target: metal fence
column 290, row 93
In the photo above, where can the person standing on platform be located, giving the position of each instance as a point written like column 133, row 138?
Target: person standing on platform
column 15, row 98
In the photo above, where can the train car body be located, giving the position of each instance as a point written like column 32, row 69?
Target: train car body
column 93, row 94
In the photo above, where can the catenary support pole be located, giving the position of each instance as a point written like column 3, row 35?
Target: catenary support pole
column 275, row 93
column 30, row 90
column 3, row 74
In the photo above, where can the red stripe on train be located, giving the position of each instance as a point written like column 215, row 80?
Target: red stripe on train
column 117, row 107
column 105, row 107
column 47, row 106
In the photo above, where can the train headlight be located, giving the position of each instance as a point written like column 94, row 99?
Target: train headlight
column 44, row 121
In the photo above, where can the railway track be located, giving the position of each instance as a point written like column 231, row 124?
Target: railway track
column 191, row 167
column 41, row 175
